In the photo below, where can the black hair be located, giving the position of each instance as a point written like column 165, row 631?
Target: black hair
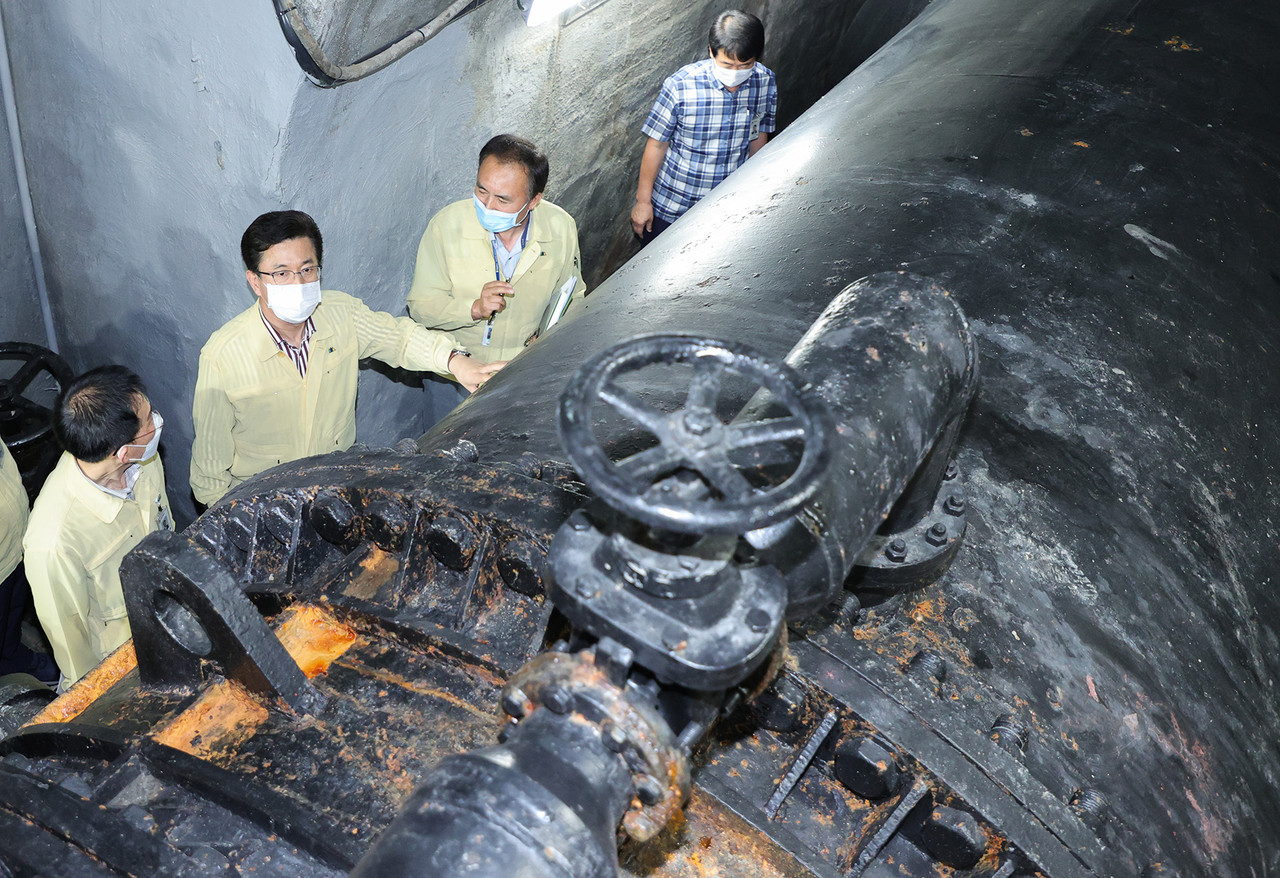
column 272, row 228
column 509, row 149
column 97, row 412
column 739, row 33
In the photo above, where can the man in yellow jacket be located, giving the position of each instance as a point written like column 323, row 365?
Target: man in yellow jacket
column 106, row 493
column 278, row 381
column 489, row 266
column 15, row 658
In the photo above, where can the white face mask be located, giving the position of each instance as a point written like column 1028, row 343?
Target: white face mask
column 153, row 444
column 731, row 78
column 293, row 303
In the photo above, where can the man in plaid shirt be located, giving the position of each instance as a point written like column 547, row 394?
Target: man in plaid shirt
column 709, row 118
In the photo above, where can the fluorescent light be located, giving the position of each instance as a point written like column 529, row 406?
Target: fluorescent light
column 538, row 12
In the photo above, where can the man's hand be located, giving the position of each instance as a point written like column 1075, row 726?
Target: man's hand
column 642, row 218
column 493, row 298
column 471, row 374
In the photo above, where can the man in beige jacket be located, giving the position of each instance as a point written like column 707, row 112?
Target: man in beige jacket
column 106, row 493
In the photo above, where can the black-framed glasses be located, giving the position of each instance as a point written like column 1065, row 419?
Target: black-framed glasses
column 286, row 275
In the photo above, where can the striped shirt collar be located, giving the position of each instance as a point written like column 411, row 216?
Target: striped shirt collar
column 299, row 355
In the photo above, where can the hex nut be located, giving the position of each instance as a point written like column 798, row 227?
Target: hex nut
column 896, row 550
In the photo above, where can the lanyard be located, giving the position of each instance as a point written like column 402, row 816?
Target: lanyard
column 487, row 338
column 493, row 244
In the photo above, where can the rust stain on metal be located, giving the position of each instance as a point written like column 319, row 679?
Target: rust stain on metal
column 223, row 717
column 419, row 689
column 707, row 840
column 1178, row 44
column 87, row 689
column 376, row 569
column 314, row 638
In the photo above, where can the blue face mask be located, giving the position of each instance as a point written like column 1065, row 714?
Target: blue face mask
column 495, row 220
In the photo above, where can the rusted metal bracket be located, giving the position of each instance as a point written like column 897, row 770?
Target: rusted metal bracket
column 190, row 618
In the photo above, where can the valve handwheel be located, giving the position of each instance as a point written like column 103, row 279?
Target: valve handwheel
column 24, row 417
column 694, row 438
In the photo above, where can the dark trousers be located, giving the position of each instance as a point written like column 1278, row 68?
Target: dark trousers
column 659, row 225
column 14, row 596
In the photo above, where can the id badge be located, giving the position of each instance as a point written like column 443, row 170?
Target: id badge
column 755, row 126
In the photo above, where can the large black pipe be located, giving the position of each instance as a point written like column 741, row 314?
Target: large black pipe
column 1091, row 180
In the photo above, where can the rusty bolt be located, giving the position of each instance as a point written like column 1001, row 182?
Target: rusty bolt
column 779, row 706
column 557, row 699
column 615, row 739
column 953, row 470
column 867, row 768
column 954, row 505
column 528, row 464
column 929, row 664
column 649, row 790
column 387, row 523
column 937, row 535
column 333, row 518
column 505, row 732
column 279, row 520
column 464, row 451
column 238, row 527
column 520, row 563
column 1090, row 806
column 953, row 838
column 896, row 551
column 453, row 540
column 1011, row 734
column 516, row 704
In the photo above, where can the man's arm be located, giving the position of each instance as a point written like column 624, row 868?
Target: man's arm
column 400, row 342
column 650, row 163
column 433, row 302
column 213, row 450
column 754, row 146
column 58, row 593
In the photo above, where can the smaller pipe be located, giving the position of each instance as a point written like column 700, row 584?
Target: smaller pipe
column 893, row 358
column 316, row 63
column 24, row 189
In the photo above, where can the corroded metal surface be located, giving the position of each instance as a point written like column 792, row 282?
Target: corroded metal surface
column 1086, row 692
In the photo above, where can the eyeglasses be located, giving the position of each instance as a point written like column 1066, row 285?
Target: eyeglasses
column 285, row 275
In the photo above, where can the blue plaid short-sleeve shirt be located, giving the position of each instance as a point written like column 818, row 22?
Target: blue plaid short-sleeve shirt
column 708, row 130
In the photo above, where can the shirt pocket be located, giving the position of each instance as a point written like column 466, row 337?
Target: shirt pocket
column 106, row 596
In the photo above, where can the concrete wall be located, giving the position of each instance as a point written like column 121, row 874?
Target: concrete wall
column 156, row 132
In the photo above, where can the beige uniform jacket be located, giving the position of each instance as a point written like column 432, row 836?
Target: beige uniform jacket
column 253, row 410
column 13, row 513
column 455, row 260
column 76, row 538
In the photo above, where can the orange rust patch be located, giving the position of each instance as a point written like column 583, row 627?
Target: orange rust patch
column 314, row 638
column 1123, row 29
column 1027, row 132
column 1178, row 44
column 224, row 716
column 376, row 569
column 1082, row 143
column 87, row 689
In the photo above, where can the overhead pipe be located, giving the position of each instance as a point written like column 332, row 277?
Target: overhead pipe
column 316, row 63
column 24, row 189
